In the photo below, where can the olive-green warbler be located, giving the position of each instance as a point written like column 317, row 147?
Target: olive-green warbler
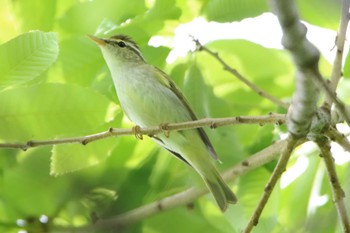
column 150, row 98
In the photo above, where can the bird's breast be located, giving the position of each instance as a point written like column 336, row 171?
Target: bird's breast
column 146, row 101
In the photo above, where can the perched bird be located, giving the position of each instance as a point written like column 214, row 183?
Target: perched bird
column 150, row 98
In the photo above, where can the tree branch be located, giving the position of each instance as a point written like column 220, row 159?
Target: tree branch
column 235, row 73
column 291, row 143
column 337, row 191
column 339, row 138
column 186, row 197
column 138, row 132
column 306, row 57
column 340, row 41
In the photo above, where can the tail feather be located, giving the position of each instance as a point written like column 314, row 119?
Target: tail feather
column 221, row 192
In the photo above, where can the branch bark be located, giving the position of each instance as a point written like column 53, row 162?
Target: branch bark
column 183, row 198
column 339, row 138
column 340, row 41
column 306, row 57
column 243, row 79
column 138, row 132
column 291, row 143
column 337, row 191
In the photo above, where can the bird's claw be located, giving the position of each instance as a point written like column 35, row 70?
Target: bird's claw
column 165, row 128
column 137, row 132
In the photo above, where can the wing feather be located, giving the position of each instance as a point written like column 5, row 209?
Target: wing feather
column 167, row 82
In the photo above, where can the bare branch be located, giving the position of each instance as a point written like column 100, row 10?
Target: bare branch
column 337, row 191
column 235, row 73
column 291, row 143
column 338, row 137
column 186, row 197
column 211, row 122
column 340, row 41
column 306, row 57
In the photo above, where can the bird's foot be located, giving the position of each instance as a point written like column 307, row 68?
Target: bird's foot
column 137, row 132
column 165, row 128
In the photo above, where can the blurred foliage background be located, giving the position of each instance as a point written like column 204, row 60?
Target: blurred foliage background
column 54, row 84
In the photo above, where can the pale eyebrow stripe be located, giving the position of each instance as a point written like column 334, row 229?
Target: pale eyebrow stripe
column 136, row 50
column 129, row 45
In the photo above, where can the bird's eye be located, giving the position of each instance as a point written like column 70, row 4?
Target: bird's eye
column 121, row 44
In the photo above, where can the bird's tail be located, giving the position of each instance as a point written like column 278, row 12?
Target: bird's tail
column 221, row 192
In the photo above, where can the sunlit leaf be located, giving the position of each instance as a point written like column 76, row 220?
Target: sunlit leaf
column 94, row 12
column 326, row 14
column 30, row 176
column 50, row 110
column 27, row 56
column 80, row 59
column 72, row 157
column 233, row 10
column 39, row 15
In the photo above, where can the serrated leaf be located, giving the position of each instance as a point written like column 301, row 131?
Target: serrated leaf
column 26, row 57
column 46, row 111
column 233, row 10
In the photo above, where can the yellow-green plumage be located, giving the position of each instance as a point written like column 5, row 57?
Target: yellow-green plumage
column 149, row 98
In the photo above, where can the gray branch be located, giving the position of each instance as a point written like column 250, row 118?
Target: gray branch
column 306, row 57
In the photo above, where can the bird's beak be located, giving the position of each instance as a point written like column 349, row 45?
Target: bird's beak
column 97, row 40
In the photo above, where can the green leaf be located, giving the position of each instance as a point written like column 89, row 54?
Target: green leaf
column 156, row 56
column 134, row 188
column 251, row 187
column 233, row 10
column 326, row 14
column 26, row 57
column 254, row 63
column 196, row 91
column 31, row 175
column 145, row 25
column 72, row 157
column 49, row 110
column 35, row 14
column 183, row 220
column 254, row 60
column 290, row 193
column 94, row 12
column 346, row 71
column 80, row 58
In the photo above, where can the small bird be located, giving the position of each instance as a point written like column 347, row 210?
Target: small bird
column 150, row 98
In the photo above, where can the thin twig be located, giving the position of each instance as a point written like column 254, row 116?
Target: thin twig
column 183, row 198
column 291, row 143
column 337, row 191
column 340, row 41
column 333, row 96
column 241, row 77
column 339, row 138
column 211, row 122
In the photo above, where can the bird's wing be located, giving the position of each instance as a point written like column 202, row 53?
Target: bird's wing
column 167, row 82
